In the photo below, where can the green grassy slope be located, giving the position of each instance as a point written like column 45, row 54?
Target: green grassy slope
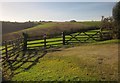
column 54, row 28
column 92, row 23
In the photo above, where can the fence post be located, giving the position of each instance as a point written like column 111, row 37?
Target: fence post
column 25, row 41
column 63, row 37
column 44, row 37
column 101, row 36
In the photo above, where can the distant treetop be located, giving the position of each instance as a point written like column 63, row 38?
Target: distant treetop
column 73, row 21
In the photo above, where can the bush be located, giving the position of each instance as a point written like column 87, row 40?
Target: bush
column 116, row 12
column 116, row 17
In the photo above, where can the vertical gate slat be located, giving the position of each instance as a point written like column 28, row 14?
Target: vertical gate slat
column 63, row 37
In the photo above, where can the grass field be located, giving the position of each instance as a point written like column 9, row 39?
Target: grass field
column 49, row 28
column 92, row 23
column 100, row 62
column 95, row 61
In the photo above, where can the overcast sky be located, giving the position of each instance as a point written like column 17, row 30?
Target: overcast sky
column 55, row 11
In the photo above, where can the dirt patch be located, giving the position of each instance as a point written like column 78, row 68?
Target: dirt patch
column 97, row 59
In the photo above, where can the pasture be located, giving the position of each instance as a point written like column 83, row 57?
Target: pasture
column 99, row 63
column 70, row 52
column 54, row 29
column 69, row 63
column 8, row 27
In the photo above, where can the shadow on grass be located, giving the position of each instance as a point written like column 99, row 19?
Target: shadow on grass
column 30, row 56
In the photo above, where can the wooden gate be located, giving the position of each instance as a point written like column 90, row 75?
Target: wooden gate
column 83, row 37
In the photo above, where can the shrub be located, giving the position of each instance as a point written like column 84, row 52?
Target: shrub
column 116, row 12
column 116, row 17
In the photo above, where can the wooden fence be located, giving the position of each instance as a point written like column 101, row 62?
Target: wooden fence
column 64, row 39
column 12, row 49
